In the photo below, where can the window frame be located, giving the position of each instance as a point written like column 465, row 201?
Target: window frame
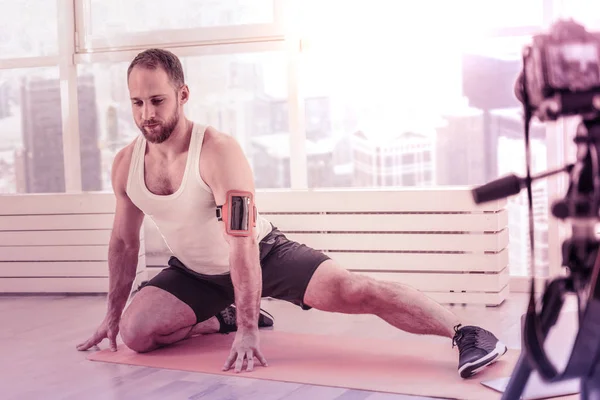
column 87, row 42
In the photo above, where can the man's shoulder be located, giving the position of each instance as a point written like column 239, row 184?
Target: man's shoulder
column 217, row 142
column 215, row 137
column 123, row 156
column 120, row 165
column 221, row 154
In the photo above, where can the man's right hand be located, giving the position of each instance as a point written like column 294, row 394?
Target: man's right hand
column 108, row 329
column 245, row 347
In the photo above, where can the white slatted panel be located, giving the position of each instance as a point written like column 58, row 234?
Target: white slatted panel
column 55, row 222
column 81, row 237
column 440, row 282
column 59, row 203
column 421, row 199
column 484, row 222
column 54, row 253
column 434, row 239
column 79, row 284
column 426, row 262
column 484, row 298
column 54, row 268
column 400, row 242
column 54, row 285
column 27, row 269
column 429, row 238
column 57, row 243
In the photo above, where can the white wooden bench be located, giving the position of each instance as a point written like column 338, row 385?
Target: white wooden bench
column 434, row 239
column 57, row 243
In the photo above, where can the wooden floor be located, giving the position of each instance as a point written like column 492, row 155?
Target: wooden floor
column 38, row 359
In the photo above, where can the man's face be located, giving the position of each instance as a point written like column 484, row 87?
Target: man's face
column 155, row 102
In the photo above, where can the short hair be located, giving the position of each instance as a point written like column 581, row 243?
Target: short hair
column 155, row 58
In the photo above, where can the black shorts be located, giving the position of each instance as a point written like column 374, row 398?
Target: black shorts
column 287, row 268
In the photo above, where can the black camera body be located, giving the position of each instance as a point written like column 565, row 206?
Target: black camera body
column 562, row 70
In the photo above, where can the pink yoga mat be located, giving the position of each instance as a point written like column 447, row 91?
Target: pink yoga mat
column 420, row 366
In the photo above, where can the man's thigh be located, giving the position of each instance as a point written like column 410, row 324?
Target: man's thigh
column 154, row 311
column 205, row 297
column 287, row 267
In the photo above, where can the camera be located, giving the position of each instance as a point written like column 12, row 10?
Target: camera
column 563, row 72
column 561, row 78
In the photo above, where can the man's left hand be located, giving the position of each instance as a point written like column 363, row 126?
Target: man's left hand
column 245, row 347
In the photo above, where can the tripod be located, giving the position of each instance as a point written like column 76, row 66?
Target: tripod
column 584, row 362
column 581, row 207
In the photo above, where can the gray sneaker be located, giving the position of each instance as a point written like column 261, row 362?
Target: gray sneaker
column 477, row 347
column 227, row 319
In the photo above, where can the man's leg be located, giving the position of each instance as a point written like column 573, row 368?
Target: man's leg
column 178, row 304
column 175, row 305
column 157, row 318
column 333, row 288
column 299, row 274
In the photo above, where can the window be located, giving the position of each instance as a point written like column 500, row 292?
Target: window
column 409, row 179
column 28, row 28
column 586, row 12
column 408, row 97
column 31, row 146
column 436, row 95
column 465, row 17
column 433, row 98
column 116, row 24
column 408, row 158
column 496, row 16
column 103, row 107
column 110, row 17
column 244, row 95
column 511, row 151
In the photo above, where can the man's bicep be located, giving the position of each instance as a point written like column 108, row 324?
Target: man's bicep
column 233, row 189
column 127, row 222
column 233, row 172
column 128, row 217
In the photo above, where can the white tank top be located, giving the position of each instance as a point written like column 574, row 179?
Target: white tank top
column 187, row 218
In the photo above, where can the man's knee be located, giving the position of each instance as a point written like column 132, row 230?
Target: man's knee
column 136, row 333
column 356, row 289
column 334, row 289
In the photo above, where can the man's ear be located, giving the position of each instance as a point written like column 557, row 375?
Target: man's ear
column 184, row 94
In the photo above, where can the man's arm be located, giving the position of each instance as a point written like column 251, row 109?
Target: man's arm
column 123, row 252
column 228, row 169
column 124, row 244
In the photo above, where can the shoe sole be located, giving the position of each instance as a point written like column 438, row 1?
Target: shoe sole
column 470, row 369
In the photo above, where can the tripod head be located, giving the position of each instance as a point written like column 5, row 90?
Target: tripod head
column 561, row 77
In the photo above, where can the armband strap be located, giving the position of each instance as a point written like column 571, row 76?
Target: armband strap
column 238, row 213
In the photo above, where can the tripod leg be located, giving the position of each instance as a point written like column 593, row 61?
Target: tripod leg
column 552, row 306
column 518, row 380
column 589, row 329
column 590, row 386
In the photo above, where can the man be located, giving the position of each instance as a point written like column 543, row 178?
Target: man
column 195, row 183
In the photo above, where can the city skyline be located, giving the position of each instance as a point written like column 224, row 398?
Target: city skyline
column 241, row 106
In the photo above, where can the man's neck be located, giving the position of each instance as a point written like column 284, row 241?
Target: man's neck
column 177, row 143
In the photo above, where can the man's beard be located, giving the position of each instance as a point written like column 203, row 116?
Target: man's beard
column 161, row 132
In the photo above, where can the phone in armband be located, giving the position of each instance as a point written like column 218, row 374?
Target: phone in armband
column 238, row 213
